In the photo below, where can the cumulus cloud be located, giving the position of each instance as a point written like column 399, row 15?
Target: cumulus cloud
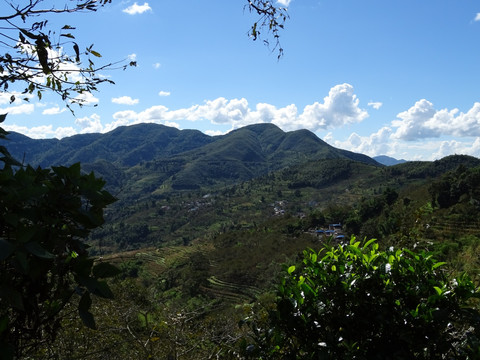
column 423, row 121
column 216, row 132
column 86, row 98
column 18, row 109
column 477, row 17
column 6, row 97
column 157, row 65
column 449, row 147
column 378, row 143
column 284, row 2
column 53, row 111
column 375, row 104
column 137, row 9
column 90, row 124
column 124, row 100
column 164, row 93
column 339, row 108
column 42, row 132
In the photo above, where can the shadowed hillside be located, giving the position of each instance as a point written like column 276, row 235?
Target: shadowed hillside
column 156, row 158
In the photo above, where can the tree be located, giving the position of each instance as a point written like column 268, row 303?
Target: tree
column 41, row 59
column 357, row 302
column 45, row 216
column 45, row 60
column 271, row 18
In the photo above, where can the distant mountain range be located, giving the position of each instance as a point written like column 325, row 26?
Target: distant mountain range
column 388, row 161
column 180, row 159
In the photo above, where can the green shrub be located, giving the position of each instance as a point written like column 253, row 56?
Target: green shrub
column 357, row 302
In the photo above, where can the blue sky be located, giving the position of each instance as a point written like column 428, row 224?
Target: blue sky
column 399, row 78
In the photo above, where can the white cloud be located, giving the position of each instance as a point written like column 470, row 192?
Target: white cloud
column 90, row 124
column 18, row 109
column 375, row 104
column 449, row 147
column 216, row 132
column 477, row 17
column 157, row 65
column 378, row 143
column 172, row 124
column 164, row 93
column 125, row 100
column 132, row 57
column 284, row 2
column 62, row 132
column 5, row 97
column 86, row 98
column 53, row 111
column 339, row 108
column 423, row 121
column 137, row 9
column 42, row 132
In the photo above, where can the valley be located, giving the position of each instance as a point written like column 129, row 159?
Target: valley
column 203, row 226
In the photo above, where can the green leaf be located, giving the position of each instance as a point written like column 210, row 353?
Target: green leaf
column 291, row 269
column 438, row 264
column 391, row 259
column 103, row 290
column 438, row 290
column 77, row 52
column 99, row 288
column 6, row 249
column 83, row 310
column 3, row 324
column 25, row 234
column 368, row 243
column 12, row 297
column 37, row 250
column 94, row 53
column 105, row 270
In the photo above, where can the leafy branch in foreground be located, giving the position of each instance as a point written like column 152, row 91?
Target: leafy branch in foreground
column 271, row 18
column 355, row 301
column 45, row 216
column 43, row 60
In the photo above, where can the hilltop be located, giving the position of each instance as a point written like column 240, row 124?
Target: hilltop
column 157, row 158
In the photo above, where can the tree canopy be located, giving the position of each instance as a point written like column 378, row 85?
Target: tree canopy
column 44, row 59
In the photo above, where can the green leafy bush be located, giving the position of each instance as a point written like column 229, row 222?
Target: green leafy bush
column 45, row 217
column 357, row 302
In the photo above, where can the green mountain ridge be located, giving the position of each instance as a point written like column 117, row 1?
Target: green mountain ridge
column 161, row 158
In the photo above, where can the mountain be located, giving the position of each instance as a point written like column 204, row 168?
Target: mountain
column 388, row 161
column 153, row 158
column 125, row 146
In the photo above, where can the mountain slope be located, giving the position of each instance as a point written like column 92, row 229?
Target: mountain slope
column 124, row 146
column 250, row 152
column 388, row 161
column 153, row 157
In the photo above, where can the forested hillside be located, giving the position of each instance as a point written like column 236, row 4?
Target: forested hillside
column 202, row 228
column 159, row 158
column 200, row 260
column 197, row 258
